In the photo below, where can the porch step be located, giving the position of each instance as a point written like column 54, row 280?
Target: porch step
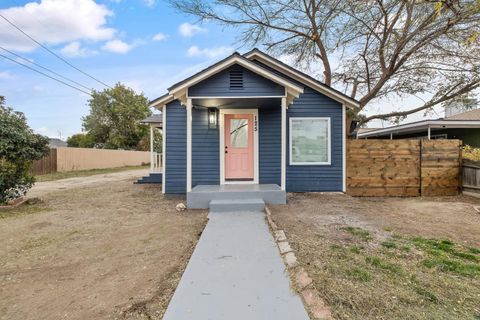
column 237, row 205
column 201, row 195
column 152, row 178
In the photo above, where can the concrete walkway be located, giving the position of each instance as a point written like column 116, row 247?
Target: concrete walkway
column 235, row 272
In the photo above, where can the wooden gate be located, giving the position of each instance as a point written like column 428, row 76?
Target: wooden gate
column 403, row 167
column 48, row 164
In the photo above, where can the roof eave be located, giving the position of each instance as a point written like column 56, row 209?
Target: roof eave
column 422, row 125
column 179, row 88
column 315, row 84
column 161, row 101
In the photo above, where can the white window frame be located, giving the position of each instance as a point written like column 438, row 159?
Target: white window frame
column 329, row 142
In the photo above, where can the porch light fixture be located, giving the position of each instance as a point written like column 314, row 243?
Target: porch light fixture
column 212, row 118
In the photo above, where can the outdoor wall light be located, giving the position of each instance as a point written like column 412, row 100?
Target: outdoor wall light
column 212, row 118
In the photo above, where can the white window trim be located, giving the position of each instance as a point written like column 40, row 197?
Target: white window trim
column 329, row 143
column 222, row 145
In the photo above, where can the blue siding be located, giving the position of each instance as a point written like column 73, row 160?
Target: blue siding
column 270, row 148
column 305, row 178
column 176, row 149
column 219, row 85
column 205, row 150
column 205, row 141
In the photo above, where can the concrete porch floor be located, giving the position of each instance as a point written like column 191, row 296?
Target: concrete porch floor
column 241, row 194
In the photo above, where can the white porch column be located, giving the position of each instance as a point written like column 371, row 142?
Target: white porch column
column 189, row 145
column 283, row 180
column 429, row 132
column 151, row 149
column 164, row 145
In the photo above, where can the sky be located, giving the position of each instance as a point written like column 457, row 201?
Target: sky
column 144, row 44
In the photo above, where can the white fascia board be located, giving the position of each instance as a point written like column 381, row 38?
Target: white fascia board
column 244, row 63
column 423, row 125
column 159, row 103
column 350, row 103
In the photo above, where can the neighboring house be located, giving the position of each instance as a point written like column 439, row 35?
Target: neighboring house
column 464, row 126
column 251, row 122
column 55, row 143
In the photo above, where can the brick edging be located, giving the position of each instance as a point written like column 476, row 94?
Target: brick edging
column 302, row 282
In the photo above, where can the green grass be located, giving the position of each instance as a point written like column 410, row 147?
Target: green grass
column 426, row 294
column 356, row 249
column 83, row 173
column 389, row 244
column 379, row 263
column 359, row 232
column 24, row 209
column 359, row 274
column 474, row 250
column 445, row 256
column 367, row 274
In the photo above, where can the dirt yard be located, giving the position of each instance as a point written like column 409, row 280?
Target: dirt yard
column 97, row 248
column 388, row 258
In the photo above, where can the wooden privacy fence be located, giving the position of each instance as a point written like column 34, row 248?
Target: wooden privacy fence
column 403, row 168
column 48, row 164
column 471, row 177
column 72, row 159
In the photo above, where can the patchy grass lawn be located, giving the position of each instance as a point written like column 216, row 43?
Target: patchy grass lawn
column 113, row 250
column 380, row 258
column 83, row 173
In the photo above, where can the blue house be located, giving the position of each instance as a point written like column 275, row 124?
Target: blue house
column 252, row 128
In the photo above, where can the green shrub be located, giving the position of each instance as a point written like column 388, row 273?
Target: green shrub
column 19, row 147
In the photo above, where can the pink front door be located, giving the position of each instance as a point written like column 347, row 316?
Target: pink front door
column 239, row 147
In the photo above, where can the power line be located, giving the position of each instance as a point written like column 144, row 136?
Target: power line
column 46, row 69
column 44, row 74
column 53, row 53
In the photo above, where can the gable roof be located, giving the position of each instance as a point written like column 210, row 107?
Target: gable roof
column 154, row 118
column 468, row 115
column 293, row 90
column 301, row 77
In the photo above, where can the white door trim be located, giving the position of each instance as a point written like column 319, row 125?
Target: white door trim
column 222, row 144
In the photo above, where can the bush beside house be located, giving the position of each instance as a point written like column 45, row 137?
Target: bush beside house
column 19, row 147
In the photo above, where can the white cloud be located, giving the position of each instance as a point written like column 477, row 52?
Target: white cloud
column 55, row 22
column 159, row 37
column 117, row 46
column 211, row 53
column 75, row 49
column 38, row 88
column 188, row 30
column 149, row 3
column 6, row 75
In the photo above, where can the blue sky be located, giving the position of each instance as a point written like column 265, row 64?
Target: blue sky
column 144, row 44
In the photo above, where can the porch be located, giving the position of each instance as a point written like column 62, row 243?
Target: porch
column 235, row 197
column 155, row 123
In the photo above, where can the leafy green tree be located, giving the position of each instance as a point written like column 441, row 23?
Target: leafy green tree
column 81, row 140
column 114, row 118
column 19, row 146
column 144, row 144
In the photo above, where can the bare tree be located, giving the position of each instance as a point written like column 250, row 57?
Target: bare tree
column 380, row 47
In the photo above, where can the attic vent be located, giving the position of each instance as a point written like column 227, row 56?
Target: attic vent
column 236, row 80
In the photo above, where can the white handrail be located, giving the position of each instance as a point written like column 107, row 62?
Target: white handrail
column 157, row 159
